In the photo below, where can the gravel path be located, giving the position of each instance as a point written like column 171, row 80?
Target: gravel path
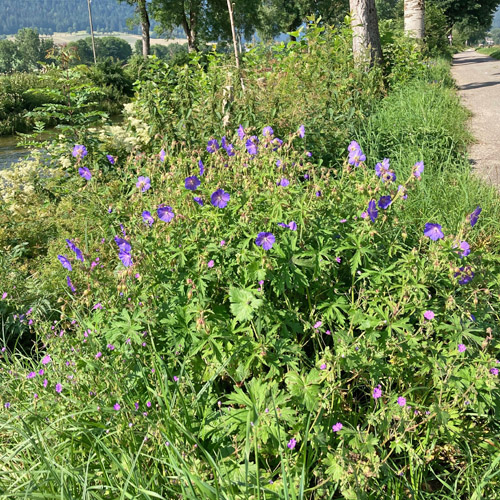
column 478, row 80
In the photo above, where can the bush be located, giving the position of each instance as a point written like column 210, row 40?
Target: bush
column 287, row 329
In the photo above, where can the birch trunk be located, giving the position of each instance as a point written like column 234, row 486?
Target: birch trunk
column 365, row 33
column 145, row 26
column 415, row 18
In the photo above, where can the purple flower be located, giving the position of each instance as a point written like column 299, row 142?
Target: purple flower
column 46, row 359
column 291, row 444
column 465, row 274
column 116, row 407
column 97, row 306
column 418, row 169
column 65, row 262
column 323, row 366
column 494, row 371
column 123, row 245
column 292, row 226
column 31, row 375
column 125, row 258
column 251, row 145
column 402, row 401
column 165, row 213
column 192, row 183
column 302, row 131
column 143, row 183
column 267, row 131
column 283, row 182
column 474, row 216
column 111, row 347
column 79, row 151
column 58, row 388
column 70, row 284
column 241, row 132
column 353, row 146
column 162, row 155
column 147, row 217
column 75, row 249
column 465, row 247
column 212, row 146
column 7, row 405
column 85, row 173
column 461, row 348
column 337, row 427
column 429, row 315
column 377, row 392
column 384, row 202
column 433, row 231
column 372, row 210
column 265, row 240
column 198, row 200
column 317, row 324
column 220, row 198
column 382, row 168
column 98, row 355
column 356, row 157
column 230, row 150
column 111, row 159
column 202, row 168
column 277, row 143
column 211, row 263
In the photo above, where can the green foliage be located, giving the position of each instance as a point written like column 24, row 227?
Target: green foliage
column 106, row 47
column 490, row 51
column 314, row 79
column 212, row 368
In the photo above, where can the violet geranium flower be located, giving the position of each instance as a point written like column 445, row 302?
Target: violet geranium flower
column 433, row 231
column 265, row 240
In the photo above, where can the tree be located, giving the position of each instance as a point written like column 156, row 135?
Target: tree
column 365, row 34
column 278, row 16
column 414, row 18
column 28, row 46
column 142, row 12
column 8, row 56
column 473, row 14
column 205, row 20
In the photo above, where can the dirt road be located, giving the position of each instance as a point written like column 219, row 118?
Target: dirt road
column 478, row 80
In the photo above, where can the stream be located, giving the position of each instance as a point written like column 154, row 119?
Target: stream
column 9, row 152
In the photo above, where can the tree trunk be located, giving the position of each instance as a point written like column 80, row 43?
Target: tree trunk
column 190, row 31
column 145, row 26
column 415, row 18
column 365, row 35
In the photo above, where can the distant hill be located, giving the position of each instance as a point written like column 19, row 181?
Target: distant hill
column 48, row 16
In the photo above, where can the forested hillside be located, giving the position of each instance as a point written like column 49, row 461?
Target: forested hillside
column 63, row 15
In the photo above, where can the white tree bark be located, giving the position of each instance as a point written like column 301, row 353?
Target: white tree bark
column 366, row 37
column 415, row 18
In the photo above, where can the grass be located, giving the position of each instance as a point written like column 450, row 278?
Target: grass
column 490, row 51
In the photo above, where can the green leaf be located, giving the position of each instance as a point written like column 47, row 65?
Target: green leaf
column 243, row 304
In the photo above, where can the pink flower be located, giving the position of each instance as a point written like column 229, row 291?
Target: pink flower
column 46, row 359
column 58, row 388
column 461, row 348
column 117, row 407
column 211, row 263
column 323, row 366
column 317, row 324
column 337, row 427
column 401, row 401
column 429, row 315
column 377, row 392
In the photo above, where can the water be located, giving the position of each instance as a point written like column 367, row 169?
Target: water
column 9, row 152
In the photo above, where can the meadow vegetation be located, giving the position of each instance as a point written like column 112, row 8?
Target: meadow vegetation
column 286, row 289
